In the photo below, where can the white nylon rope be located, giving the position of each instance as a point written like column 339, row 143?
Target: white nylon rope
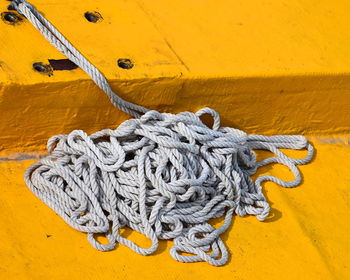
column 160, row 174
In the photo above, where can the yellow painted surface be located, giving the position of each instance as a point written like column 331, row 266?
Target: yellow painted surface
column 266, row 66
column 306, row 237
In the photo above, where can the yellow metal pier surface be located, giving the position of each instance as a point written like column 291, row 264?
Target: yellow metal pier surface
column 267, row 66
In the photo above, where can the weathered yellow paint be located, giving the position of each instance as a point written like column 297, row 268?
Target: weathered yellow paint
column 266, row 66
column 306, row 237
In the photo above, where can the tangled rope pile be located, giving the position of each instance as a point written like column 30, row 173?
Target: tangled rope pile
column 160, row 174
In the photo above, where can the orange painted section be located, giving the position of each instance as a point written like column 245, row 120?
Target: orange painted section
column 281, row 67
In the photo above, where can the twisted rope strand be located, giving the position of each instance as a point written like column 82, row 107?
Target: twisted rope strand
column 162, row 175
column 56, row 39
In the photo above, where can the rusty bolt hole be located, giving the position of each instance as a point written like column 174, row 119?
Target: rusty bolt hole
column 125, row 63
column 11, row 18
column 93, row 16
column 42, row 68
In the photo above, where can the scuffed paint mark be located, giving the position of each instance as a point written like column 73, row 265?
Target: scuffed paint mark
column 182, row 62
column 334, row 140
column 22, row 157
column 176, row 54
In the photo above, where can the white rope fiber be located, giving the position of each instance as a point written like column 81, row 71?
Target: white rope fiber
column 162, row 175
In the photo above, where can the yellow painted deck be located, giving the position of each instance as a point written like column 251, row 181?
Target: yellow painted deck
column 307, row 236
column 266, row 66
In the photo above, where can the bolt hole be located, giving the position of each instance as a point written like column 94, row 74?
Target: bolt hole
column 39, row 67
column 10, row 17
column 93, row 16
column 44, row 69
column 125, row 63
column 11, row 7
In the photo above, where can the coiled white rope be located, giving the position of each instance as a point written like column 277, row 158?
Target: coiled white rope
column 160, row 174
